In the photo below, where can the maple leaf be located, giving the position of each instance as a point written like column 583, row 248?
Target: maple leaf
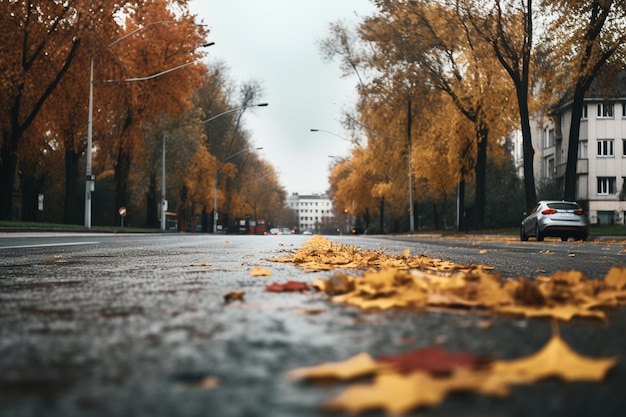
column 555, row 359
column 258, row 271
column 616, row 277
column 434, row 360
column 561, row 312
column 394, row 393
column 289, row 286
column 354, row 367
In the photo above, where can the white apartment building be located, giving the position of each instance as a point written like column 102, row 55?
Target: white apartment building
column 314, row 211
column 601, row 168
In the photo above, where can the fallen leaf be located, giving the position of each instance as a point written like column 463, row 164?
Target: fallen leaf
column 258, row 271
column 555, row 359
column 206, row 383
column 201, row 265
column 310, row 311
column 616, row 278
column 354, row 367
column 233, row 296
column 394, row 393
column 289, row 286
column 483, row 251
column 434, row 360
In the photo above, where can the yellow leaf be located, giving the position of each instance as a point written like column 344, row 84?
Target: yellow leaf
column 616, row 278
column 483, row 251
column 561, row 312
column 356, row 366
column 555, row 359
column 258, row 271
column 394, row 393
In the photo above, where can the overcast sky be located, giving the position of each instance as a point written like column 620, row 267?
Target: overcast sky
column 275, row 42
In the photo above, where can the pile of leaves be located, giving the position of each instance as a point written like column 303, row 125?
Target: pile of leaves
column 425, row 377
column 419, row 282
column 320, row 254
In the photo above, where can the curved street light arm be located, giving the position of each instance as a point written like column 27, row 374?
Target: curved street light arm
column 149, row 77
column 234, row 110
column 372, row 131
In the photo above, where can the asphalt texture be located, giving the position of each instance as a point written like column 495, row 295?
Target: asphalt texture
column 138, row 326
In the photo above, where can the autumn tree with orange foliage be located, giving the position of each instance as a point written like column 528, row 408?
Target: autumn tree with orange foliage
column 416, row 52
column 40, row 43
column 46, row 56
column 158, row 48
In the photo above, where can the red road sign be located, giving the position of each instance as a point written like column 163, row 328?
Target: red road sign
column 122, row 211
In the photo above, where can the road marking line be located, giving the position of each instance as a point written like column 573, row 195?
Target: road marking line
column 43, row 245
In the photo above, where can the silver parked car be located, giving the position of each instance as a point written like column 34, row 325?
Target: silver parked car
column 562, row 219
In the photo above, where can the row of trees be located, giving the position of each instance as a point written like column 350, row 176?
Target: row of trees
column 149, row 86
column 449, row 80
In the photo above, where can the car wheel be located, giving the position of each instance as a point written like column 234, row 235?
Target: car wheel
column 522, row 234
column 538, row 235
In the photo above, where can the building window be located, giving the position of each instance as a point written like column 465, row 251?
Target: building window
column 605, row 110
column 584, row 115
column 624, row 109
column 549, row 138
column 605, row 147
column 606, row 185
column 623, row 147
column 582, row 150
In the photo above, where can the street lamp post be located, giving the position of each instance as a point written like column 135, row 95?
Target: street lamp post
column 89, row 177
column 215, row 215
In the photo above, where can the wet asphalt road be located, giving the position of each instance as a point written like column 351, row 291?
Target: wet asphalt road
column 130, row 325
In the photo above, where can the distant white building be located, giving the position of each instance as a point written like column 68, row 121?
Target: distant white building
column 601, row 167
column 314, row 211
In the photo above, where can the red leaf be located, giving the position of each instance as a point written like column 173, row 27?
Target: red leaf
column 288, row 286
column 434, row 360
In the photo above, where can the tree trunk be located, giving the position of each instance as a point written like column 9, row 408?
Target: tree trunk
column 382, row 216
column 572, row 151
column 8, row 165
column 461, row 215
column 481, row 178
column 152, row 220
column 30, row 191
column 528, row 150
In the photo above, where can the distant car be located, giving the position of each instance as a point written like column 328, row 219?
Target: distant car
column 286, row 231
column 307, row 232
column 562, row 219
column 275, row 231
column 357, row 231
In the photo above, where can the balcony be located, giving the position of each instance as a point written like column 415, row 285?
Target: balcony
column 582, row 167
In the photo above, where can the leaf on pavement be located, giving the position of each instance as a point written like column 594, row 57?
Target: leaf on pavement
column 616, row 278
column 394, row 393
column 258, row 271
column 555, row 359
column 289, row 286
column 434, row 360
column 398, row 393
column 233, row 296
column 354, row 367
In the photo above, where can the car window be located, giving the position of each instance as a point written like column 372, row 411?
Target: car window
column 564, row 206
